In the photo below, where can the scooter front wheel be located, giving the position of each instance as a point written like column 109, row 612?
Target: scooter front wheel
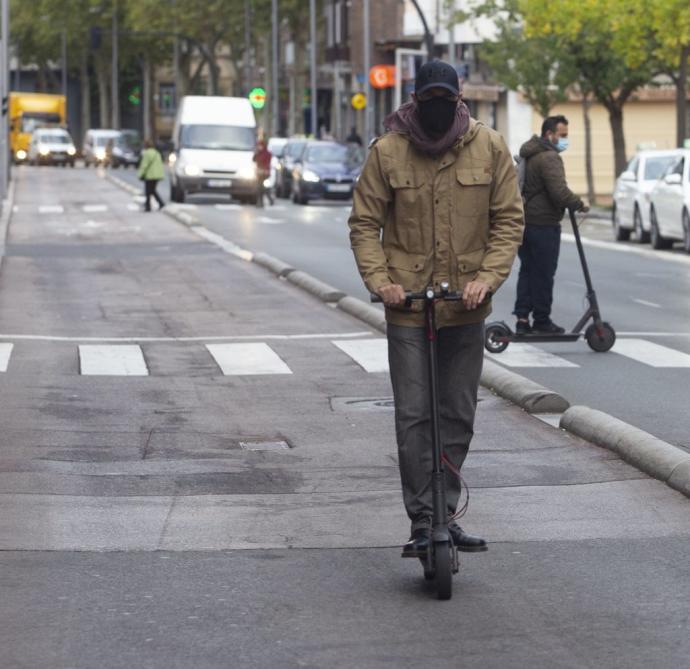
column 600, row 337
column 496, row 337
column 443, row 569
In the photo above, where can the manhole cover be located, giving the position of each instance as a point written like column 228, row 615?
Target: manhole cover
column 264, row 445
column 362, row 404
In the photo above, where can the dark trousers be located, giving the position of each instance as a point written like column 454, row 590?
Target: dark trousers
column 538, row 262
column 150, row 190
column 460, row 356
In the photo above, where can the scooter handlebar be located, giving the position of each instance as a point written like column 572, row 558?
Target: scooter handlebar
column 410, row 296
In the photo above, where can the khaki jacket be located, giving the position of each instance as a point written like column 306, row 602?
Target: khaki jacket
column 419, row 220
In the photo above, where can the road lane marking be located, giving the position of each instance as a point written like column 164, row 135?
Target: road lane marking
column 257, row 337
column 122, row 360
column 247, row 359
column 269, row 220
column 526, row 355
column 229, row 207
column 179, row 205
column 51, row 209
column 93, row 208
column 132, row 206
column 5, row 353
column 649, row 353
column 613, row 246
column 370, row 354
column 652, row 334
column 646, row 304
column 223, row 243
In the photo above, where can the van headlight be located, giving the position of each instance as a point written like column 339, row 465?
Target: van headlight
column 43, row 150
column 21, row 154
column 100, row 154
column 192, row 170
column 71, row 151
column 247, row 173
column 313, row 177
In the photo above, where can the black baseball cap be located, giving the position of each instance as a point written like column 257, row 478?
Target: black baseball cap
column 436, row 74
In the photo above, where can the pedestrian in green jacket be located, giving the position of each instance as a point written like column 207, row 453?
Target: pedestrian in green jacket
column 151, row 171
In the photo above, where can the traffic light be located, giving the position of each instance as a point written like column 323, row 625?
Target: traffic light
column 134, row 96
column 257, row 98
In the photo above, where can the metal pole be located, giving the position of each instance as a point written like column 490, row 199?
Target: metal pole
column 64, row 62
column 336, row 94
column 115, row 97
column 176, row 57
column 451, row 34
column 4, row 94
column 367, row 84
column 314, row 96
column 247, row 47
column 274, row 69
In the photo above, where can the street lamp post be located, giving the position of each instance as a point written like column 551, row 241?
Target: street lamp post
column 274, row 68
column 368, row 92
column 314, row 101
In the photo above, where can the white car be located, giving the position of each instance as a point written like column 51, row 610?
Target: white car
column 669, row 205
column 631, row 194
column 51, row 146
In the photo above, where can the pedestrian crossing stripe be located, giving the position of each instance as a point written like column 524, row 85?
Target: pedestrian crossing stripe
column 247, row 359
column 370, row 354
column 526, row 355
column 93, row 208
column 5, row 353
column 51, row 209
column 120, row 360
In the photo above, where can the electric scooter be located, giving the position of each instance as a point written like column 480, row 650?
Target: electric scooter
column 599, row 334
column 441, row 560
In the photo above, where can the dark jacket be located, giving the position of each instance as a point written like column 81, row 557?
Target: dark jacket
column 546, row 193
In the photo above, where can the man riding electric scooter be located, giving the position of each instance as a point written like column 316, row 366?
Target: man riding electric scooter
column 437, row 204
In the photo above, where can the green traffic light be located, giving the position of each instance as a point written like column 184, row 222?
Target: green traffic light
column 257, row 98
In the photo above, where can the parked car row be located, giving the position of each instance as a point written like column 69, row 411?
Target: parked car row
column 651, row 200
column 114, row 148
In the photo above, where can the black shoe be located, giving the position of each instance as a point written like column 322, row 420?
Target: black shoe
column 522, row 327
column 466, row 542
column 418, row 544
column 549, row 327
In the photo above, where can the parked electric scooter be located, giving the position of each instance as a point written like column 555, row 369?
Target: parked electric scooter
column 599, row 334
column 441, row 561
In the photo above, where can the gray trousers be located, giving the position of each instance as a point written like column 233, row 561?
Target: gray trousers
column 460, row 357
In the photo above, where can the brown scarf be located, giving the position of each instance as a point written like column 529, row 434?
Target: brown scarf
column 406, row 120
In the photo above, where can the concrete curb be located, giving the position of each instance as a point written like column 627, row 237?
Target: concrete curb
column 637, row 447
column 122, row 184
column 642, row 450
column 365, row 312
column 527, row 394
column 5, row 216
column 314, row 286
column 278, row 267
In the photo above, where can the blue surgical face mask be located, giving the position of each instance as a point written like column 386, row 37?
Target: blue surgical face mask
column 562, row 144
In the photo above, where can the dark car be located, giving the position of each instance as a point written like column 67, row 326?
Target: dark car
column 291, row 153
column 124, row 149
column 326, row 170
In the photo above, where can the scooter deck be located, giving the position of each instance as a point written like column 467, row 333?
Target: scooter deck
column 565, row 336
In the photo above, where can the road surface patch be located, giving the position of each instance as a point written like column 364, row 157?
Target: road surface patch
column 370, row 354
column 247, row 359
column 649, row 353
column 120, row 360
column 5, row 353
column 526, row 355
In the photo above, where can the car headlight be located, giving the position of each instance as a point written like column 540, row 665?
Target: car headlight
column 247, row 173
column 21, row 154
column 71, row 151
column 192, row 170
column 43, row 150
column 172, row 159
column 100, row 154
column 308, row 175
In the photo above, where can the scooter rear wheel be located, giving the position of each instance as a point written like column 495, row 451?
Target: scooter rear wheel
column 496, row 337
column 443, row 565
column 600, row 339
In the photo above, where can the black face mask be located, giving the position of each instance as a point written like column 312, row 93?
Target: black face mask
column 437, row 115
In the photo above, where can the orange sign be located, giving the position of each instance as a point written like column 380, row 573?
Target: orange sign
column 382, row 76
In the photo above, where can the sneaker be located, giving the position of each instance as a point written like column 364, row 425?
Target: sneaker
column 522, row 327
column 549, row 327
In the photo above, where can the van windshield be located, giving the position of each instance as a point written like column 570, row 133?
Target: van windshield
column 54, row 139
column 218, row 137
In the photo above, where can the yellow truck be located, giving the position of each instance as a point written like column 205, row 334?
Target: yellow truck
column 29, row 111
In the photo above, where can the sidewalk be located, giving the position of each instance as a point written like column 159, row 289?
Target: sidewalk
column 587, row 562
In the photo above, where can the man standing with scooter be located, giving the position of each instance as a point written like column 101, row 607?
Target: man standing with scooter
column 546, row 195
column 437, row 202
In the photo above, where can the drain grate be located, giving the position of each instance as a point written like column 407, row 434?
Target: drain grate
column 362, row 404
column 264, row 445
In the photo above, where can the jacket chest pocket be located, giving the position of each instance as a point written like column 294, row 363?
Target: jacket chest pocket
column 473, row 195
column 409, row 195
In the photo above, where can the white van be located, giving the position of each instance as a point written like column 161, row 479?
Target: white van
column 213, row 146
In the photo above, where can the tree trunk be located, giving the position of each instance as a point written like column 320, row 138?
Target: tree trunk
column 586, row 104
column 300, row 78
column 85, row 83
column 682, row 98
column 103, row 98
column 620, row 160
column 147, row 98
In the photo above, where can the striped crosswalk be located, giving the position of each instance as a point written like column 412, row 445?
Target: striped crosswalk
column 130, row 356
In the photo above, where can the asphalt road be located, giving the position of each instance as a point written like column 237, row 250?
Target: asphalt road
column 191, row 476
column 642, row 293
